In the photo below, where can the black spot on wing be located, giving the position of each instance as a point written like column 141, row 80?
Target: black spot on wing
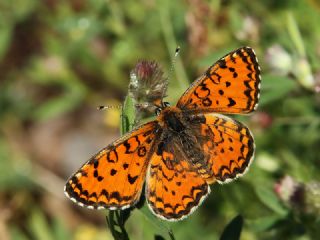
column 132, row 179
column 231, row 102
column 113, row 172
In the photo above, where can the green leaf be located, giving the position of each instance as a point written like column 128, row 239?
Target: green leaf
column 274, row 88
column 60, row 230
column 39, row 227
column 17, row 234
column 233, row 230
column 295, row 34
column 158, row 237
column 161, row 225
column 5, row 38
column 268, row 198
column 265, row 223
column 54, row 107
column 127, row 116
column 117, row 229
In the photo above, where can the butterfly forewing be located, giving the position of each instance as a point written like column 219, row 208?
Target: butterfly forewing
column 231, row 85
column 114, row 177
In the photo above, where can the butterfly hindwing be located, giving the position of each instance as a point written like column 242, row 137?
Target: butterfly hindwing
column 227, row 144
column 231, row 85
column 114, row 177
column 173, row 188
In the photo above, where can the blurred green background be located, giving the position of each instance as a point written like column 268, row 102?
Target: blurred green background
column 59, row 60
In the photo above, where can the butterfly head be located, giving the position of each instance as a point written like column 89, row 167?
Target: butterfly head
column 161, row 107
column 171, row 118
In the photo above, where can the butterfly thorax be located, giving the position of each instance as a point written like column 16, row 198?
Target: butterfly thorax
column 171, row 118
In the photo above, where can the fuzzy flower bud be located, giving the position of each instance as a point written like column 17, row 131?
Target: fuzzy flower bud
column 147, row 85
column 289, row 191
column 302, row 198
column 312, row 198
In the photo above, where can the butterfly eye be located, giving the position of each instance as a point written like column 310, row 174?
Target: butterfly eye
column 166, row 104
column 158, row 111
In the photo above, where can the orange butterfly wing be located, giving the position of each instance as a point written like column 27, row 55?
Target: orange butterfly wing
column 227, row 144
column 231, row 85
column 114, row 177
column 173, row 188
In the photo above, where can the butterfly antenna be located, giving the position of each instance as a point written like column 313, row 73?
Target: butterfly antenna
column 173, row 62
column 104, row 107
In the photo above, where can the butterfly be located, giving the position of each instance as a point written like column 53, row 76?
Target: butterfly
column 185, row 149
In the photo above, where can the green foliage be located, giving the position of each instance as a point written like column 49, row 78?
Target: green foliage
column 127, row 116
column 233, row 230
column 269, row 199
